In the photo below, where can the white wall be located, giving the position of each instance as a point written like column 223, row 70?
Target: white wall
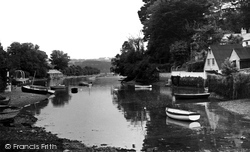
column 211, row 66
column 233, row 57
column 189, row 74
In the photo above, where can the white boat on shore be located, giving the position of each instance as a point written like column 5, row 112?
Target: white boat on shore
column 143, row 86
column 182, row 114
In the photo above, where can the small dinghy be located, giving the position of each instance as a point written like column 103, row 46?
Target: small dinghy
column 192, row 96
column 182, row 114
column 9, row 112
column 58, row 87
column 143, row 86
column 4, row 100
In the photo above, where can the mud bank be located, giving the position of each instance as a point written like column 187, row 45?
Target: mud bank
column 20, row 134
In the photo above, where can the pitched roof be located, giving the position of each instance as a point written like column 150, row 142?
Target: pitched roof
column 221, row 52
column 243, row 53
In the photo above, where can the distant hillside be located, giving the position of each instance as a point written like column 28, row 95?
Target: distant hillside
column 102, row 65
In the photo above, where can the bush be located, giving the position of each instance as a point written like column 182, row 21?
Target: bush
column 190, row 81
column 234, row 86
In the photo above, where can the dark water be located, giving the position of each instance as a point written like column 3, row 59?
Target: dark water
column 108, row 114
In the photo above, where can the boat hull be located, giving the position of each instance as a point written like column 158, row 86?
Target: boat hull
column 182, row 114
column 60, row 87
column 37, row 90
column 4, row 100
column 8, row 112
column 192, row 96
column 143, row 86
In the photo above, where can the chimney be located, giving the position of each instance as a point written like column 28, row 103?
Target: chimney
column 243, row 31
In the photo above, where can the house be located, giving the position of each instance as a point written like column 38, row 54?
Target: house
column 245, row 37
column 54, row 74
column 241, row 57
column 217, row 54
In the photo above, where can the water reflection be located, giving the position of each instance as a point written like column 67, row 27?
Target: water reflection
column 61, row 98
column 123, row 116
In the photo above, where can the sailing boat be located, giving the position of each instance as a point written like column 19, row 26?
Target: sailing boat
column 36, row 88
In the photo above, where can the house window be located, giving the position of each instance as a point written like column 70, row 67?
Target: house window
column 212, row 61
column 208, row 61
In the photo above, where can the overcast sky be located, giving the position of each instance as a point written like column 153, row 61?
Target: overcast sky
column 84, row 29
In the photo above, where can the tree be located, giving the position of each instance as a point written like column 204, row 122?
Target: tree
column 27, row 57
column 169, row 21
column 3, row 68
column 228, row 67
column 59, row 59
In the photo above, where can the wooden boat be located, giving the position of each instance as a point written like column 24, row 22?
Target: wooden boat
column 192, row 96
column 186, row 124
column 143, row 86
column 37, row 89
column 8, row 112
column 83, row 83
column 57, row 87
column 139, row 89
column 182, row 114
column 4, row 100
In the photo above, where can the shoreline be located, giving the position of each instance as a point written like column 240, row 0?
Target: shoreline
column 21, row 130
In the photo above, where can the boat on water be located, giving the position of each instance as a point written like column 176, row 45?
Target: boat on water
column 204, row 95
column 186, row 124
column 143, row 86
column 37, row 89
column 83, row 83
column 8, row 112
column 4, row 100
column 182, row 114
column 58, row 87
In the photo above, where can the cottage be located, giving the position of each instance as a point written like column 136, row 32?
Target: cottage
column 216, row 56
column 54, row 74
column 241, row 57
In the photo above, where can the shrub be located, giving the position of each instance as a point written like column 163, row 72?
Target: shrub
column 191, row 81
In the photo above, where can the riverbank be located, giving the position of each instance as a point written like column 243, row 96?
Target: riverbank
column 21, row 130
column 240, row 106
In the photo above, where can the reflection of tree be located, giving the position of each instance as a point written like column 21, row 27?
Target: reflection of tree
column 61, row 98
column 36, row 107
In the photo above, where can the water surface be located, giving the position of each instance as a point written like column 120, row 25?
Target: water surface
column 108, row 114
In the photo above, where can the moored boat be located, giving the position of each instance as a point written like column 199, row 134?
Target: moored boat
column 57, row 87
column 191, row 96
column 143, row 86
column 83, row 83
column 4, row 100
column 37, row 89
column 182, row 114
column 9, row 112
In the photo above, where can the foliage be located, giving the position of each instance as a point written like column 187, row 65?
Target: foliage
column 180, row 52
column 3, row 68
column 196, row 66
column 191, row 81
column 77, row 70
column 27, row 57
column 237, row 85
column 234, row 39
column 228, row 67
column 59, row 59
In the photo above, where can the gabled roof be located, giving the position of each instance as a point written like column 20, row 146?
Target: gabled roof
column 221, row 52
column 243, row 53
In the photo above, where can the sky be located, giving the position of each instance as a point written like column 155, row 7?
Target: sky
column 84, row 29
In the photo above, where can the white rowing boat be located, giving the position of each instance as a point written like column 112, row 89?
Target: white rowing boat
column 182, row 114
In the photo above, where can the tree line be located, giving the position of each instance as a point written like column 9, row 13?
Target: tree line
column 177, row 34
column 29, row 58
